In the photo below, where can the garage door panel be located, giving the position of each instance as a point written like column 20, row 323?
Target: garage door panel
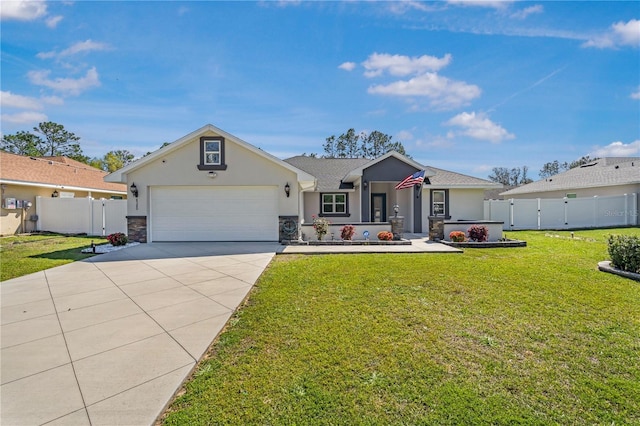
column 214, row 213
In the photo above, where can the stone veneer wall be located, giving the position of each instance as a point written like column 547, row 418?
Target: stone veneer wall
column 288, row 228
column 436, row 228
column 137, row 228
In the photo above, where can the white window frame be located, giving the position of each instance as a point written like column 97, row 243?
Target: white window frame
column 442, row 204
column 334, row 203
column 217, row 152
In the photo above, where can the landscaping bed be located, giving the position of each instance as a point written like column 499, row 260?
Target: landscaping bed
column 349, row 243
column 486, row 244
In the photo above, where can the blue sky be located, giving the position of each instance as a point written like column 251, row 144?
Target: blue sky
column 464, row 85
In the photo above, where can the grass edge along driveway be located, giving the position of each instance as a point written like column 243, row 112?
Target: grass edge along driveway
column 532, row 335
column 24, row 254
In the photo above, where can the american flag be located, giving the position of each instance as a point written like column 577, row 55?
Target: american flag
column 415, row 179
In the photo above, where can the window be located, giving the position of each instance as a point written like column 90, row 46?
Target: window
column 334, row 204
column 212, row 153
column 438, row 203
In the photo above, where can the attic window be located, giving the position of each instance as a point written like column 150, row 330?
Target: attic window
column 212, row 153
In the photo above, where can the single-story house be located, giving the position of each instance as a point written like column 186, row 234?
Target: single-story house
column 23, row 178
column 212, row 186
column 603, row 177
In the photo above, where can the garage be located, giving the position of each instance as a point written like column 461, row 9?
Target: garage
column 218, row 213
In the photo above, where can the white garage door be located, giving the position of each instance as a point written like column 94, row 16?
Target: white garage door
column 222, row 213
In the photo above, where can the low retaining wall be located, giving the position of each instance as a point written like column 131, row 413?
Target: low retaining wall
column 309, row 234
column 494, row 227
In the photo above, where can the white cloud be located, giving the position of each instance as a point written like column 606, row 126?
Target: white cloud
column 347, row 66
column 11, row 100
column 636, row 94
column 79, row 47
column 478, row 126
column 71, row 86
column 404, row 135
column 495, row 4
column 400, row 65
column 402, row 7
column 524, row 13
column 442, row 92
column 53, row 21
column 24, row 117
column 620, row 34
column 617, row 149
column 22, row 10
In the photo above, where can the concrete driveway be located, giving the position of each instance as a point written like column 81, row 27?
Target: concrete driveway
column 108, row 341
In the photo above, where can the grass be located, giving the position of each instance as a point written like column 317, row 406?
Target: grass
column 531, row 335
column 24, row 254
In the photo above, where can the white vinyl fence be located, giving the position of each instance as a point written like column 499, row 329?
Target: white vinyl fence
column 81, row 215
column 564, row 213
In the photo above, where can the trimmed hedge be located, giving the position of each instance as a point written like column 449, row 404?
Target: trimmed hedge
column 625, row 252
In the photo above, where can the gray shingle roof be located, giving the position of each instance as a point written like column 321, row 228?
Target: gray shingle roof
column 445, row 178
column 610, row 171
column 330, row 171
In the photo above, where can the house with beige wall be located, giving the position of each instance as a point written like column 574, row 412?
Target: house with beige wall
column 212, row 186
column 24, row 178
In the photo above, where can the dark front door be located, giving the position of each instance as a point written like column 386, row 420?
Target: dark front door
column 378, row 207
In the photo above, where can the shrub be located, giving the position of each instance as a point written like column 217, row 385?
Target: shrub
column 457, row 236
column 625, row 252
column 385, row 236
column 478, row 233
column 347, row 231
column 117, row 239
column 321, row 226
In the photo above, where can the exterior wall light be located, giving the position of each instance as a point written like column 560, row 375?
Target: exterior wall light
column 134, row 189
column 365, row 184
column 396, row 209
column 287, row 189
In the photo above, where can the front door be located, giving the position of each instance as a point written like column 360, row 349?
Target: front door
column 378, row 207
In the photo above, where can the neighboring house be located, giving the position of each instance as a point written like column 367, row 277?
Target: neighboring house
column 22, row 179
column 602, row 177
column 211, row 186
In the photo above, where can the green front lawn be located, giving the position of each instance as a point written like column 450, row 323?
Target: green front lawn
column 533, row 335
column 25, row 254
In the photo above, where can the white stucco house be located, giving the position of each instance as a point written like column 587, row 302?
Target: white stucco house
column 212, row 186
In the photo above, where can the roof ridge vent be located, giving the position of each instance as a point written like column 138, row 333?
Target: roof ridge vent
column 588, row 165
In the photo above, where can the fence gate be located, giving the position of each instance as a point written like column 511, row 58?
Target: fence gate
column 81, row 215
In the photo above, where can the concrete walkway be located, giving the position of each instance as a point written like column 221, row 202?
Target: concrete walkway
column 419, row 244
column 107, row 341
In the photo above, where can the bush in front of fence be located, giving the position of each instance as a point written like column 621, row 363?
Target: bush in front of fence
column 479, row 233
column 625, row 252
column 117, row 239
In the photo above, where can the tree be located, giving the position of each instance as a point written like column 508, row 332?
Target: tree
column 23, row 143
column 552, row 168
column 555, row 167
column 514, row 177
column 58, row 141
column 113, row 160
column 353, row 145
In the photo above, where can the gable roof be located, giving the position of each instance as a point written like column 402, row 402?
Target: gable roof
column 328, row 171
column 356, row 173
column 54, row 172
column 609, row 171
column 333, row 173
column 120, row 175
